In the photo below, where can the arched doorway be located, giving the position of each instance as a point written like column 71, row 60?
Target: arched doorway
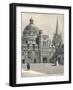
column 44, row 59
column 35, row 60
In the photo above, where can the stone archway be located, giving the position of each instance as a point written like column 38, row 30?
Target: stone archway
column 44, row 59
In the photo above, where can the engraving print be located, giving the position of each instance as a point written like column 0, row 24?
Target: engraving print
column 42, row 44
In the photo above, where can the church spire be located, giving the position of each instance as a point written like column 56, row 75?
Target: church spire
column 57, row 27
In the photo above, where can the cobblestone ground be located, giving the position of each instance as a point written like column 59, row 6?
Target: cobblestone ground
column 42, row 70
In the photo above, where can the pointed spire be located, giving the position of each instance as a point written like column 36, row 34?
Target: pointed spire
column 57, row 27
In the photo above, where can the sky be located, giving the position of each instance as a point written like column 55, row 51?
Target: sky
column 45, row 22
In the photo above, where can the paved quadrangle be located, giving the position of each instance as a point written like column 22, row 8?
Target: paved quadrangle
column 42, row 70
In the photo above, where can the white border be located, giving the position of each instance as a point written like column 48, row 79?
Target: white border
column 65, row 77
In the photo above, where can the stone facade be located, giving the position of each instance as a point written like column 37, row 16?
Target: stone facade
column 36, row 47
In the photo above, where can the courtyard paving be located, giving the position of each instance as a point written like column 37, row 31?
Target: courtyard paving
column 46, row 69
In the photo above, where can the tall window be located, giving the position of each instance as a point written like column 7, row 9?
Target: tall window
column 33, row 46
column 26, row 41
column 35, row 61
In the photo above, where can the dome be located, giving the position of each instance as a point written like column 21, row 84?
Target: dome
column 31, row 25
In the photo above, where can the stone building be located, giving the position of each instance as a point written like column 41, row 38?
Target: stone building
column 30, row 48
column 46, row 51
column 35, row 45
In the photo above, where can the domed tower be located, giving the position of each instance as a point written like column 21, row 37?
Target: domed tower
column 29, row 45
column 30, row 28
